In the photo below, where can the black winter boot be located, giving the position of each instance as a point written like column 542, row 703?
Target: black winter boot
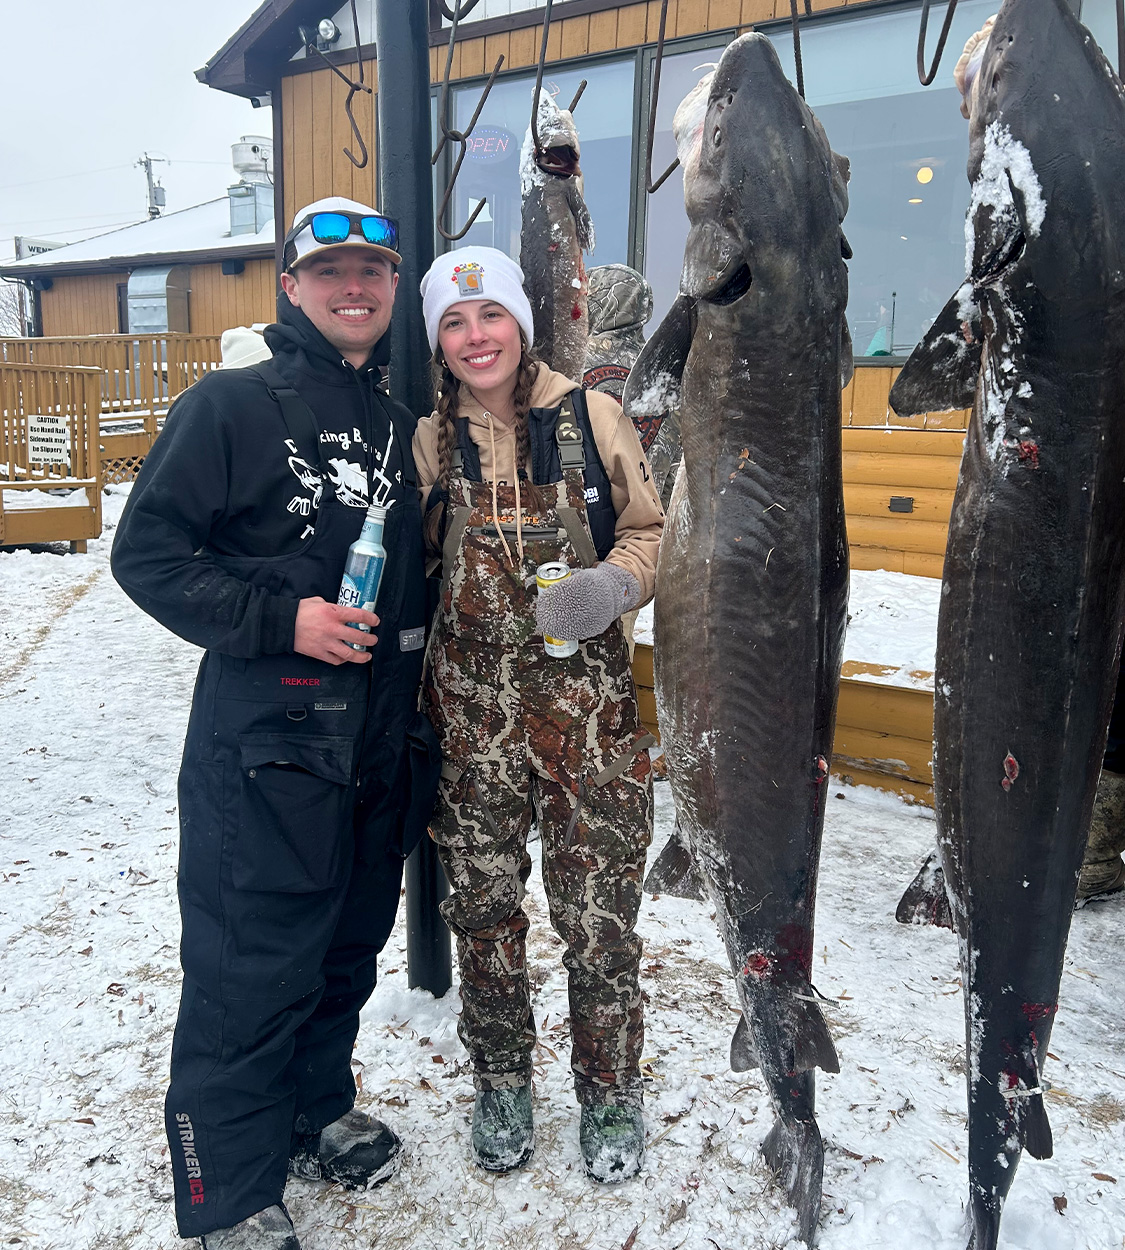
column 270, row 1229
column 357, row 1151
column 612, row 1139
column 503, row 1134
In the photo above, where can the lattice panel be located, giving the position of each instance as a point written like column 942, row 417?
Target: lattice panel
column 124, row 469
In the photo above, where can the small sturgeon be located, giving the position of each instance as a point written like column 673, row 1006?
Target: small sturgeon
column 752, row 580
column 556, row 231
column 1031, row 614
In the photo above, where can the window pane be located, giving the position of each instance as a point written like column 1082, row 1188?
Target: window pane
column 666, row 224
column 604, row 118
column 908, row 147
column 1100, row 18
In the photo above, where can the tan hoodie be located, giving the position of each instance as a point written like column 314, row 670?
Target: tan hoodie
column 639, row 515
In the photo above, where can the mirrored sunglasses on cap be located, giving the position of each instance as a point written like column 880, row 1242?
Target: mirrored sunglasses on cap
column 337, row 227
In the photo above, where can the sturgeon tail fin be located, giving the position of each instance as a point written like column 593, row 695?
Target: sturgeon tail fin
column 795, row 1154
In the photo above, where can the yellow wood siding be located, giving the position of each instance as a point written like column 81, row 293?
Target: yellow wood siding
column 218, row 302
column 315, row 134
column 82, row 304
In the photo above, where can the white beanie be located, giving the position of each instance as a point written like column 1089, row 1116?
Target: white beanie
column 474, row 273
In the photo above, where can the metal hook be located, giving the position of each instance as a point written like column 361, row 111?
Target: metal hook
column 1121, row 38
column 469, row 6
column 798, row 60
column 353, row 87
column 650, row 186
column 924, row 78
column 582, row 87
column 539, row 80
column 458, row 136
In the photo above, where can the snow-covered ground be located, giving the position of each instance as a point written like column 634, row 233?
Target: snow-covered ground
column 93, row 703
column 892, row 627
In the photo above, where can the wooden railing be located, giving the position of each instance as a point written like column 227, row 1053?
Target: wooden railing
column 142, row 373
column 56, row 405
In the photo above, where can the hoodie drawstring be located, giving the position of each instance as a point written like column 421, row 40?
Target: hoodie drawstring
column 495, row 504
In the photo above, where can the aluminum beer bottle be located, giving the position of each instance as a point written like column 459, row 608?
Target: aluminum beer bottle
column 363, row 570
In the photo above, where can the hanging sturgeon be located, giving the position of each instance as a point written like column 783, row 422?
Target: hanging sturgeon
column 556, row 230
column 1031, row 613
column 752, row 579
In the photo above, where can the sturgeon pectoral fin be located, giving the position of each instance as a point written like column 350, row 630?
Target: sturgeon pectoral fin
column 812, row 1043
column 795, row 1154
column 743, row 1052
column 1038, row 1140
column 925, row 900
column 941, row 374
column 674, row 871
column 653, row 385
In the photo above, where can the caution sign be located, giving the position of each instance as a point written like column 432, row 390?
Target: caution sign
column 48, row 438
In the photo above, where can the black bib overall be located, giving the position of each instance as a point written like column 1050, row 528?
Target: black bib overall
column 302, row 788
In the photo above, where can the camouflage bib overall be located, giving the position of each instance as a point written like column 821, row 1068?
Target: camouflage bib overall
column 520, row 731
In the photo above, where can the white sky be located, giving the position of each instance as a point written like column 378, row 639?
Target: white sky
column 93, row 88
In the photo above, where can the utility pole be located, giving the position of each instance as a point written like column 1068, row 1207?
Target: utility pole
column 156, row 198
column 402, row 28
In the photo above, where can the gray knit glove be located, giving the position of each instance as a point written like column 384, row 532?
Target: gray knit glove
column 587, row 602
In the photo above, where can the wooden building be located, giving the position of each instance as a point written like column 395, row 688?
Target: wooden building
column 199, row 271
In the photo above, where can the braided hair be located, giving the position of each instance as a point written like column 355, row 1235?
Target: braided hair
column 447, row 408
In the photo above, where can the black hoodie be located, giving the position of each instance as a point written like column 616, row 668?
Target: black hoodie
column 223, row 478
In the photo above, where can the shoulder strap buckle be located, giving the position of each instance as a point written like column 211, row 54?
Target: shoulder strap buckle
column 568, row 436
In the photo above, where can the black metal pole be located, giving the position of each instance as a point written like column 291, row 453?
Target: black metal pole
column 402, row 41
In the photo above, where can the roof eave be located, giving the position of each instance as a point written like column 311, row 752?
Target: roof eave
column 116, row 264
column 250, row 62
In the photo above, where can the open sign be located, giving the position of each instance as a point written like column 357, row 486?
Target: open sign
column 491, row 143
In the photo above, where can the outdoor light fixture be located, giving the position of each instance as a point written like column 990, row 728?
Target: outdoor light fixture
column 925, row 175
column 914, row 201
column 322, row 37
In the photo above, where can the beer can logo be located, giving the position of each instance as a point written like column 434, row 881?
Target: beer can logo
column 350, row 595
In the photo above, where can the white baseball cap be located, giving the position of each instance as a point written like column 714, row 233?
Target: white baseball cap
column 338, row 222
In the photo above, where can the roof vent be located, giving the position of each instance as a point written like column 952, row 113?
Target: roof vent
column 252, row 156
column 251, row 198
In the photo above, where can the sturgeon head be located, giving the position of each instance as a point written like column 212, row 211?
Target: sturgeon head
column 1043, row 250
column 765, row 196
column 556, row 230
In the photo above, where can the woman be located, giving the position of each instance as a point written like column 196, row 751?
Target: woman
column 519, row 468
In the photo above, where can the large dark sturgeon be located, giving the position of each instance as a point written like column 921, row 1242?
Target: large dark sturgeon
column 752, row 581
column 1031, row 613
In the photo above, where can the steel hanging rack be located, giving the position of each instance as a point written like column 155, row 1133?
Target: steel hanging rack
column 923, row 77
column 1121, row 38
column 458, row 136
column 353, row 87
column 537, row 94
column 798, row 60
column 650, row 186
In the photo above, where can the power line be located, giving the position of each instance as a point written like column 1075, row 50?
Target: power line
column 12, row 186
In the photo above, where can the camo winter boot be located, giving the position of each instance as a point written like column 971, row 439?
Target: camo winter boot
column 612, row 1139
column 270, row 1229
column 357, row 1151
column 503, row 1133
column 1103, row 870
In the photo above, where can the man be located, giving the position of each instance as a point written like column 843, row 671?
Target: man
column 307, row 772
